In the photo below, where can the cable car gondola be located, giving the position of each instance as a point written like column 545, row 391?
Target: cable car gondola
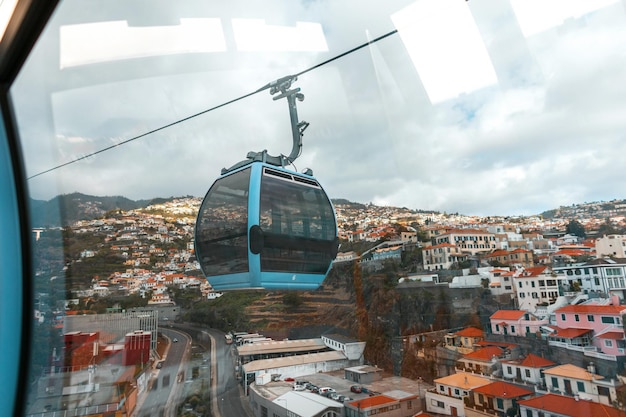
column 263, row 226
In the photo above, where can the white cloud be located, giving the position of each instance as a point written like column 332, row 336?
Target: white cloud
column 545, row 130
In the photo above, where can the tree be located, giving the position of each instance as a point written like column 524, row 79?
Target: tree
column 574, row 227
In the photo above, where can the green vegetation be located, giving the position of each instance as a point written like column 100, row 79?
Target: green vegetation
column 225, row 313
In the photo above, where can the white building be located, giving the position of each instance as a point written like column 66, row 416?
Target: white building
column 611, row 245
column 536, row 285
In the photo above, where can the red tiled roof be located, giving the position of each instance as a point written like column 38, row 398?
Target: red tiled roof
column 533, row 271
column 470, row 332
column 507, row 315
column 591, row 308
column 374, row 401
column 441, row 245
column 501, row 345
column 570, row 333
column 614, row 334
column 571, row 252
column 534, row 361
column 503, row 390
column 568, row 406
column 484, row 354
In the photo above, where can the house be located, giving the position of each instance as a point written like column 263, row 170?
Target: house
column 380, row 405
column 515, row 322
column 483, row 361
column 501, row 284
column 572, row 380
column 528, row 369
column 441, row 256
column 535, row 286
column 447, row 396
column 519, row 256
column 553, row 405
column 603, row 321
column 464, row 340
column 495, row 399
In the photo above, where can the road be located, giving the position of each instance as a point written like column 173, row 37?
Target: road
column 164, row 389
column 226, row 391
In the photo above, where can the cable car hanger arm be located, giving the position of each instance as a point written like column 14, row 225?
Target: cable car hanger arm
column 282, row 86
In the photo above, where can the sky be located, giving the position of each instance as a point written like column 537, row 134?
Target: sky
column 480, row 107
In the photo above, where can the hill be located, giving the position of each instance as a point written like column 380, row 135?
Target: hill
column 70, row 208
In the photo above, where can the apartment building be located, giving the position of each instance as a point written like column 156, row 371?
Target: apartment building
column 469, row 241
column 442, row 256
column 604, row 276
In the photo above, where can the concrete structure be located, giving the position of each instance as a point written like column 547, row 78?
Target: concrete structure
column 278, row 398
column 287, row 403
column 363, row 374
column 351, row 348
column 297, row 366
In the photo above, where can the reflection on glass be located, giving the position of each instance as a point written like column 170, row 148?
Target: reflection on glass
column 298, row 225
column 222, row 234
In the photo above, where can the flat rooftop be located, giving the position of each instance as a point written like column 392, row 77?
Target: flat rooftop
column 281, row 346
column 274, row 363
column 396, row 387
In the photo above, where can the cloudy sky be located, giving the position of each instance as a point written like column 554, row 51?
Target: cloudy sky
column 483, row 107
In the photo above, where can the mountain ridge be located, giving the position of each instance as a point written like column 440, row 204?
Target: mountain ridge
column 76, row 206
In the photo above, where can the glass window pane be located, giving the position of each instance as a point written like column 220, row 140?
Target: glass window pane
column 222, row 234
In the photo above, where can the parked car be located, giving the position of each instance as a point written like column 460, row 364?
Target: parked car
column 357, row 389
column 333, row 396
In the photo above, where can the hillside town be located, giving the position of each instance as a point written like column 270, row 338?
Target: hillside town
column 555, row 347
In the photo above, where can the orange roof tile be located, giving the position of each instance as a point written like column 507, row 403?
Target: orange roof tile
column 572, row 371
column 374, row 401
column 470, row 332
column 503, row 390
column 569, row 333
column 613, row 334
column 484, row 354
column 507, row 315
column 591, row 308
column 534, row 361
column 463, row 380
column 568, row 406
column 533, row 271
